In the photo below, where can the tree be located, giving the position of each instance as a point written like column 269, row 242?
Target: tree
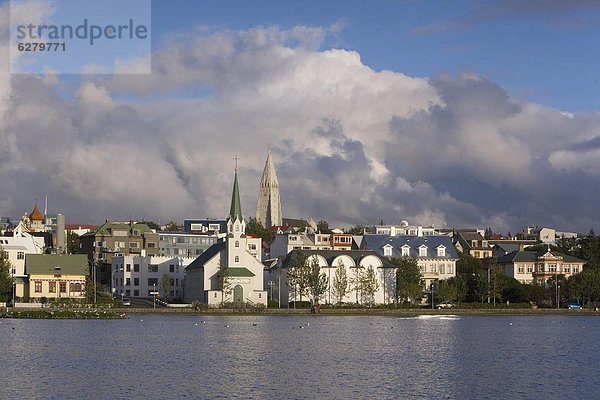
column 151, row 225
column 224, row 283
column 253, row 227
column 166, row 283
column 323, row 226
column 496, row 282
column 72, row 242
column 370, row 284
column 408, row 279
column 297, row 275
column 447, row 290
column 356, row 230
column 340, row 282
column 172, row 227
column 357, row 282
column 5, row 278
column 316, row 280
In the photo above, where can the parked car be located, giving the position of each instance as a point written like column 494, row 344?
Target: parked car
column 574, row 307
column 126, row 301
column 444, row 304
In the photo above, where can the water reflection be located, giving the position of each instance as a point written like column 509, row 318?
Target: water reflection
column 300, row 357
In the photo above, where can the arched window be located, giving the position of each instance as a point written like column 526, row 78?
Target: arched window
column 237, row 243
column 237, row 259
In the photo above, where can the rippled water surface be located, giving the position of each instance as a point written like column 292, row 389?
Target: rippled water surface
column 304, row 357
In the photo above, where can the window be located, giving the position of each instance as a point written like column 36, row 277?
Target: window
column 251, row 247
column 176, row 281
column 134, row 245
column 215, row 296
column 136, row 267
column 521, row 269
column 171, row 268
column 20, row 255
column 52, row 287
column 76, row 287
column 136, row 281
column 151, row 245
column 476, row 254
column 127, row 293
column 136, row 232
column 152, row 281
column 575, row 270
column 529, row 269
column 423, row 251
column 433, row 267
column 260, row 295
column 387, row 251
column 127, row 281
column 237, row 243
column 405, row 251
column 450, row 270
column 237, row 259
column 128, row 267
column 152, row 267
column 62, row 287
column 38, row 286
column 136, row 293
column 213, row 227
column 441, row 251
column 442, row 268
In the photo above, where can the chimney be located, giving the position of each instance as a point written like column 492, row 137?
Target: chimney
column 392, row 230
column 521, row 247
column 419, row 231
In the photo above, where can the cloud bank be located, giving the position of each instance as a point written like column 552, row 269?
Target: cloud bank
column 351, row 145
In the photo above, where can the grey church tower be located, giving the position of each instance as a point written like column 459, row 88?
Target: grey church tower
column 268, row 209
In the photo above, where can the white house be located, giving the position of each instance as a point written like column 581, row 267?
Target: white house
column 231, row 270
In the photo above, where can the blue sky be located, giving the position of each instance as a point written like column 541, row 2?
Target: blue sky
column 547, row 53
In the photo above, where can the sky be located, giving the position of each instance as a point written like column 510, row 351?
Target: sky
column 452, row 114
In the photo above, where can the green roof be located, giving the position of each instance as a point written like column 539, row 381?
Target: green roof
column 50, row 264
column 107, row 228
column 235, row 212
column 238, row 271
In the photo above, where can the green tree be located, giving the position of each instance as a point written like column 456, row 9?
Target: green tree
column 496, row 282
column 447, row 290
column 323, row 226
column 72, row 242
column 5, row 276
column 253, row 227
column 166, row 283
column 316, row 280
column 172, row 227
column 297, row 275
column 408, row 279
column 340, row 282
column 151, row 225
column 356, row 230
column 370, row 284
column 224, row 282
column 357, row 283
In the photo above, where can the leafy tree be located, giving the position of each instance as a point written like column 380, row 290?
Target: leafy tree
column 447, row 290
column 408, row 279
column 323, row 226
column 297, row 275
column 589, row 250
column 316, row 280
column 370, row 284
column 496, row 282
column 357, row 282
column 356, row 230
column 151, row 225
column 172, row 227
column 224, row 282
column 72, row 242
column 254, row 227
column 5, row 278
column 166, row 283
column 340, row 282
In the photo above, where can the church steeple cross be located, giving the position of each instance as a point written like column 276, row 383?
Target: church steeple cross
column 236, row 158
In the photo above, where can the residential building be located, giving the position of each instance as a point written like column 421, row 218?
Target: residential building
column 79, row 229
column 56, row 275
column 268, row 208
column 140, row 276
column 16, row 247
column 116, row 239
column 405, row 229
column 472, row 242
column 206, row 226
column 545, row 235
column 355, row 262
column 435, row 255
column 229, row 271
column 529, row 266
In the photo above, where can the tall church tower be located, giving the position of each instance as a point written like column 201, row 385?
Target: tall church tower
column 268, row 209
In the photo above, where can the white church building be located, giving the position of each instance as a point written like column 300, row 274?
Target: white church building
column 229, row 271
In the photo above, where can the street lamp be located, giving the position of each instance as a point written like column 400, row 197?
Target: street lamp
column 154, row 295
column 432, row 295
column 13, row 293
column 92, row 265
column 558, row 297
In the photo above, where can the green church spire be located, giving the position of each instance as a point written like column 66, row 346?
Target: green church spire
column 235, row 212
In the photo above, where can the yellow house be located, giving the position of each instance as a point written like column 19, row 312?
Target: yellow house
column 56, row 275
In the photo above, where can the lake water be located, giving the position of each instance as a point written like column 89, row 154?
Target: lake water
column 301, row 357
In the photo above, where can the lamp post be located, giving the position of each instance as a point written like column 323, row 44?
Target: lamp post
column 92, row 265
column 432, row 295
column 154, row 295
column 13, row 292
column 557, row 297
